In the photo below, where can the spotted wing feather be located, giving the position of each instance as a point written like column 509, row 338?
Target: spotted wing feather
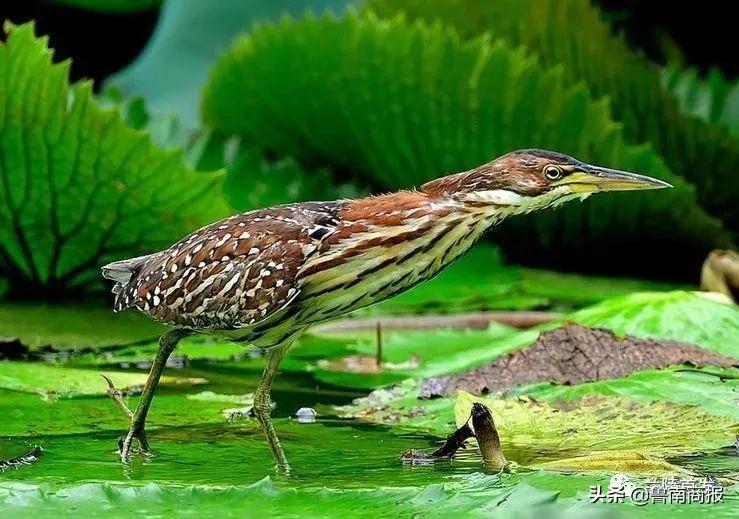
column 231, row 274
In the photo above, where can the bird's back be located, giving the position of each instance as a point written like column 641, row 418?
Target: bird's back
column 230, row 274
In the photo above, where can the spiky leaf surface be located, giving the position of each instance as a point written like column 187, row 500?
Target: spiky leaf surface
column 405, row 103
column 79, row 187
column 574, row 35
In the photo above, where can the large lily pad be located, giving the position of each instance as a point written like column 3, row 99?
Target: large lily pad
column 577, row 427
column 49, row 380
column 411, row 354
column 479, row 498
column 713, row 390
column 72, row 326
column 692, row 317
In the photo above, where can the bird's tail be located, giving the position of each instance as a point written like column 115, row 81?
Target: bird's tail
column 123, row 273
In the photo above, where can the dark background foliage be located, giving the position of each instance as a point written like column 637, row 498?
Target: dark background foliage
column 102, row 43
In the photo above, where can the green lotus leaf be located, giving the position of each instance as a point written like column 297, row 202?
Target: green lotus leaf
column 72, row 327
column 49, row 380
column 691, row 317
column 78, row 186
column 656, row 429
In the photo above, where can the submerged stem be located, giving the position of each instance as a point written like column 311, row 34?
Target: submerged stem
column 487, row 436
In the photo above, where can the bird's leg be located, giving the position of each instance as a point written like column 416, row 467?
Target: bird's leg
column 167, row 343
column 115, row 394
column 262, row 405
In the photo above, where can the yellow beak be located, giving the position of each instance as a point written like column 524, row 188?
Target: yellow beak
column 595, row 178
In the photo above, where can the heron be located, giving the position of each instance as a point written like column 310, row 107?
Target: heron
column 263, row 277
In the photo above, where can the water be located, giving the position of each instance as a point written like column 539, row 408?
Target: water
column 195, row 444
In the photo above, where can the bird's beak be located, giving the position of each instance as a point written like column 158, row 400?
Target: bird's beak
column 594, row 178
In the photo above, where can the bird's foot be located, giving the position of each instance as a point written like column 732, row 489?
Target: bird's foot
column 125, row 444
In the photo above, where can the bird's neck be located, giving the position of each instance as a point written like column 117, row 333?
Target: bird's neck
column 485, row 210
column 407, row 207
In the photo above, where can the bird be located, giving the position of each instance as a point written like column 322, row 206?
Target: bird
column 263, row 277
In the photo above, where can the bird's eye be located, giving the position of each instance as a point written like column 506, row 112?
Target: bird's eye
column 552, row 172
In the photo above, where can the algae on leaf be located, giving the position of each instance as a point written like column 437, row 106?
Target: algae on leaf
column 576, row 427
column 78, row 186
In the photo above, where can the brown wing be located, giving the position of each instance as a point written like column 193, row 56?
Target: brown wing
column 233, row 273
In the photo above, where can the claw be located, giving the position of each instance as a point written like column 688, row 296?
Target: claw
column 115, row 394
column 107, row 379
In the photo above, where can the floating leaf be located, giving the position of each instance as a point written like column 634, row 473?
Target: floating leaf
column 405, row 103
column 629, row 462
column 72, row 327
column 78, row 186
column 49, row 380
column 658, row 429
column 475, row 499
column 539, row 431
column 705, row 155
column 690, row 317
column 31, row 416
column 715, row 391
column 412, row 354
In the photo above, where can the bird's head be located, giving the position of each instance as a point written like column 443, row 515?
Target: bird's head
column 528, row 180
